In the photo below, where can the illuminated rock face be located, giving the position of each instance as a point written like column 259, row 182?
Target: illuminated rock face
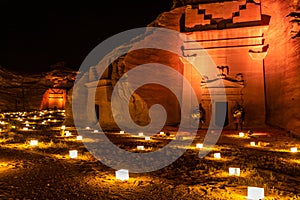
column 232, row 34
column 30, row 92
column 54, row 99
column 252, row 38
column 281, row 63
column 282, row 66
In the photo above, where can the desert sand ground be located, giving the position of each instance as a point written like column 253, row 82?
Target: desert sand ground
column 46, row 171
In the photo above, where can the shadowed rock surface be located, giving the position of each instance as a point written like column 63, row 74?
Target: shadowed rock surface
column 23, row 92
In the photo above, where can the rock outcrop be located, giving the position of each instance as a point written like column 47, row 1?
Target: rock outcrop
column 281, row 64
column 23, row 92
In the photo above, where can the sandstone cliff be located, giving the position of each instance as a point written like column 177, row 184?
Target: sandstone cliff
column 25, row 91
column 281, row 65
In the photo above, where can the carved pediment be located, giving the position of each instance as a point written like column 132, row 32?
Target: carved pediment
column 224, row 81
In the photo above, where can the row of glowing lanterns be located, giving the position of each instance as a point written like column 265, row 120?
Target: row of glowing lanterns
column 147, row 138
column 72, row 153
column 200, row 145
column 41, row 113
column 24, row 114
column 123, row 174
column 254, row 193
column 253, row 144
column 12, row 114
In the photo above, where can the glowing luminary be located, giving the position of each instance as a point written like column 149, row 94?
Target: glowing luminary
column 122, row 174
column 147, row 138
column 217, row 155
column 199, row 146
column 87, row 128
column 141, row 134
column 241, row 134
column 79, row 137
column 161, row 133
column 25, row 129
column 63, row 127
column 234, row 171
column 48, row 120
column 13, row 127
column 141, row 148
column 68, row 133
column 255, row 193
column 294, row 149
column 96, row 131
column 73, row 154
column 34, row 143
column 252, row 144
column 122, row 132
column 27, row 125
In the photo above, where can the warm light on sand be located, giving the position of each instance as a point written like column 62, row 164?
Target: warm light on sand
column 294, row 149
column 252, row 144
column 68, row 133
column 140, row 148
column 122, row 174
column 73, row 154
column 241, row 134
column 217, row 155
column 234, row 171
column 255, row 193
column 25, row 129
column 141, row 134
column 79, row 137
column 34, row 143
column 199, row 146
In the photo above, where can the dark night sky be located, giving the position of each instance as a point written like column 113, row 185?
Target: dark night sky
column 34, row 37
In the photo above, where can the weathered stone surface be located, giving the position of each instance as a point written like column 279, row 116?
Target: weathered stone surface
column 281, row 74
column 282, row 68
column 281, row 78
column 25, row 91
